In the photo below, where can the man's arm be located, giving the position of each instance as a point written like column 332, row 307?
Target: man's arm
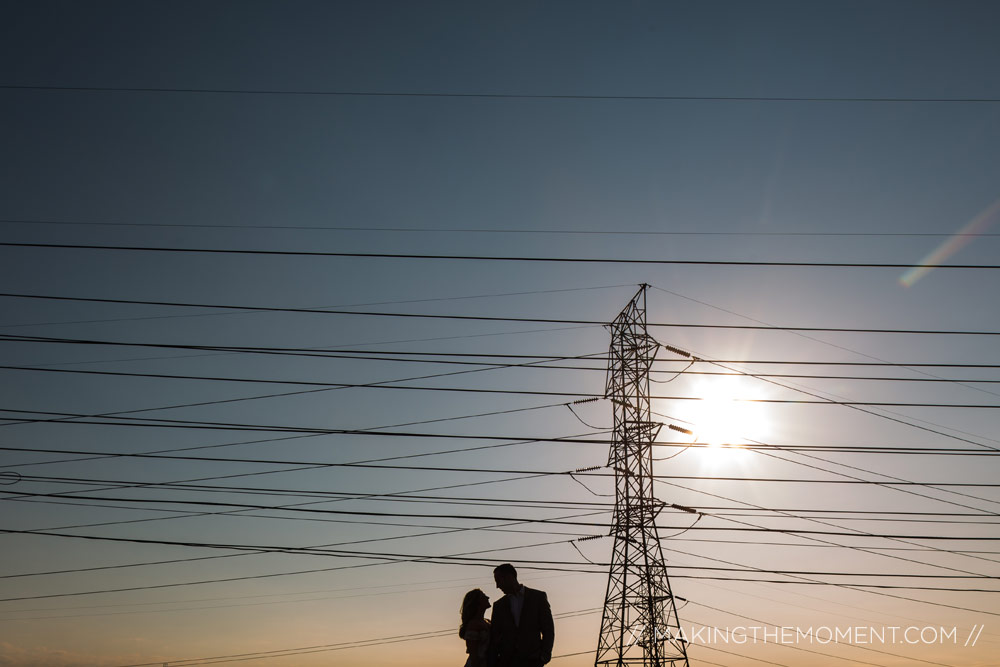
column 496, row 628
column 547, row 628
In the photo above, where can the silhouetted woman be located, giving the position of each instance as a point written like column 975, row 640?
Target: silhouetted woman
column 475, row 629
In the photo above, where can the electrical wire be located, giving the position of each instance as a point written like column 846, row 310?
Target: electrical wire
column 748, row 527
column 347, row 305
column 463, row 559
column 203, row 378
column 346, row 352
column 497, row 318
column 854, row 405
column 339, row 646
column 716, row 511
column 797, row 333
column 502, row 96
column 809, row 535
column 484, row 367
column 473, row 230
column 505, row 471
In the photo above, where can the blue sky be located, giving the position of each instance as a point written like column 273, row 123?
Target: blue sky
column 399, row 156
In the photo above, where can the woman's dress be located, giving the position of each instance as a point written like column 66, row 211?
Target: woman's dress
column 477, row 640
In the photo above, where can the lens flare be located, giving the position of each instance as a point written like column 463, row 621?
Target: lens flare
column 959, row 240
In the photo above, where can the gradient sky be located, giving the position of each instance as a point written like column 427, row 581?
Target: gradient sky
column 90, row 159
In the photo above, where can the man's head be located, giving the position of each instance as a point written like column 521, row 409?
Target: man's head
column 506, row 577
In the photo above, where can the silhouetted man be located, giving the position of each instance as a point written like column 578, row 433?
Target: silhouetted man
column 521, row 630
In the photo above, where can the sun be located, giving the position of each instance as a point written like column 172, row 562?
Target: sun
column 725, row 418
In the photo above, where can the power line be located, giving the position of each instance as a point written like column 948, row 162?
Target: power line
column 800, row 376
column 407, row 357
column 478, row 318
column 77, row 419
column 347, row 385
column 374, row 429
column 461, row 517
column 349, row 305
column 865, row 587
column 297, row 505
column 810, row 535
column 494, row 258
column 827, row 470
column 866, row 516
column 456, row 362
column 786, row 531
column 383, row 342
column 566, row 566
column 504, row 96
column 808, row 337
column 153, row 422
column 888, row 486
column 327, row 464
column 293, row 393
column 474, row 363
column 355, row 496
column 358, row 643
column 503, row 471
column 780, row 362
column 383, row 384
column 821, row 522
column 474, row 230
column 444, row 358
column 869, row 449
column 857, row 406
column 456, row 485
column 257, row 491
column 476, row 501
column 450, row 357
column 157, row 453
column 503, row 527
column 950, row 521
column 458, row 559
column 825, row 546
column 328, row 496
column 548, row 531
column 368, row 590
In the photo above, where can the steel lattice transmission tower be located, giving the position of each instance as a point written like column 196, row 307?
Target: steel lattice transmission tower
column 640, row 624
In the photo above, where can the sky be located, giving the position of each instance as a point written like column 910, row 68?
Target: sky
column 307, row 455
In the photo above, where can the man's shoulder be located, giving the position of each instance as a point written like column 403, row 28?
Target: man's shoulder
column 534, row 593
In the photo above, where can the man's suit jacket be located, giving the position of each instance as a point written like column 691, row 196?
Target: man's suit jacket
column 527, row 644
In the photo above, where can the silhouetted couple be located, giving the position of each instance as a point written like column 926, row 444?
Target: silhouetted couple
column 521, row 632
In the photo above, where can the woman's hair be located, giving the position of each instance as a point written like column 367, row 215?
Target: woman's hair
column 470, row 608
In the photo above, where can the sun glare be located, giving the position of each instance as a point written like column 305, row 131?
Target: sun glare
column 725, row 419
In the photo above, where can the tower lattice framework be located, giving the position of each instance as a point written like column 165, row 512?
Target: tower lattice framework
column 640, row 624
